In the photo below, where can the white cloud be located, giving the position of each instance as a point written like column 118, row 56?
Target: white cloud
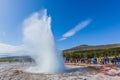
column 77, row 28
column 6, row 48
column 11, row 50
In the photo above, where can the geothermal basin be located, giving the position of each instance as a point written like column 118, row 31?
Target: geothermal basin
column 39, row 44
column 17, row 71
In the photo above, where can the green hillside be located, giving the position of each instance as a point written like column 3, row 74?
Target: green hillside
column 91, row 51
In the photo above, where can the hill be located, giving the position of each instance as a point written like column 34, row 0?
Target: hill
column 91, row 47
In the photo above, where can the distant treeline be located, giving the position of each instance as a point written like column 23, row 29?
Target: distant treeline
column 16, row 59
column 92, row 53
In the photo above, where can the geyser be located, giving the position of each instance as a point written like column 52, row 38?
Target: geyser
column 39, row 43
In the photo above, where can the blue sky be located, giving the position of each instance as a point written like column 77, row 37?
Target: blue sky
column 104, row 27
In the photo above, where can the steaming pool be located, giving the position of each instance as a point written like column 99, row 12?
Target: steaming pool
column 24, row 66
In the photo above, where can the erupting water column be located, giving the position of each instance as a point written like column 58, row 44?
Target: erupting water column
column 39, row 41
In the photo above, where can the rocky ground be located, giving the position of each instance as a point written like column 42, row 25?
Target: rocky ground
column 16, row 71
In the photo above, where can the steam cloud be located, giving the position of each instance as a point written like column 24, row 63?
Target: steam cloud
column 38, row 42
column 77, row 28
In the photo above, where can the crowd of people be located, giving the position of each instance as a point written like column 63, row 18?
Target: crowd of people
column 95, row 60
